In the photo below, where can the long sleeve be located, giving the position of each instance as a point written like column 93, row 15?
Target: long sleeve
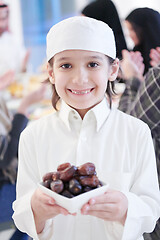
column 129, row 95
column 141, row 192
column 18, row 124
column 142, row 197
column 27, row 176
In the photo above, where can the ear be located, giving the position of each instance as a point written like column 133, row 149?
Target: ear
column 114, row 68
column 50, row 73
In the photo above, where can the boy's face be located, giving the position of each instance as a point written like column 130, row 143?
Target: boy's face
column 81, row 77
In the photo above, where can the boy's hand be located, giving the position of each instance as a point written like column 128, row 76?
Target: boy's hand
column 111, row 206
column 44, row 208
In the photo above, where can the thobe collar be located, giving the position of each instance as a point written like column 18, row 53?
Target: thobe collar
column 100, row 113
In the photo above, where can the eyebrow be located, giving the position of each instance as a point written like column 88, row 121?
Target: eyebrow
column 90, row 57
column 63, row 59
column 96, row 57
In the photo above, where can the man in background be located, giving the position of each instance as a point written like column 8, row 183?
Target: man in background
column 13, row 55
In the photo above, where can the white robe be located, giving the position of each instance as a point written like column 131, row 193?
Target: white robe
column 122, row 150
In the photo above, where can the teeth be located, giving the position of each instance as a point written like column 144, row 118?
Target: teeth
column 80, row 92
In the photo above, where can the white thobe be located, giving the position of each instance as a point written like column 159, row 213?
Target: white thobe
column 122, row 150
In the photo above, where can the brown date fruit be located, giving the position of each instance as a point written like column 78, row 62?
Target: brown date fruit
column 91, row 181
column 67, row 194
column 70, row 181
column 79, row 178
column 47, row 176
column 75, row 187
column 87, row 189
column 86, row 169
column 68, row 173
column 63, row 166
column 57, row 186
column 47, row 183
column 100, row 184
column 55, row 176
column 66, row 185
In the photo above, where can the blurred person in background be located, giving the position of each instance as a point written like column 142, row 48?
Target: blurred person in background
column 10, row 130
column 141, row 99
column 144, row 29
column 106, row 11
column 6, row 79
column 13, row 55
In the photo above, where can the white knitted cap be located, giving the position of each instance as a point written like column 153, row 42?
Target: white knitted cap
column 81, row 33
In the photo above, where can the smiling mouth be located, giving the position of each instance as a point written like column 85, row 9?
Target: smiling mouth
column 80, row 92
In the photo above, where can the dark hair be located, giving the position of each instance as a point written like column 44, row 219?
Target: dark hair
column 105, row 11
column 3, row 5
column 139, row 32
column 146, row 24
column 110, row 91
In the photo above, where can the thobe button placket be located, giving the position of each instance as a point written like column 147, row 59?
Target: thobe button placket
column 83, row 138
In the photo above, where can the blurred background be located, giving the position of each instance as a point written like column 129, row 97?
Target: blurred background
column 29, row 23
column 30, row 20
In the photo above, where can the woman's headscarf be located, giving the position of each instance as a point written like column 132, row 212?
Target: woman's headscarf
column 146, row 24
column 105, row 11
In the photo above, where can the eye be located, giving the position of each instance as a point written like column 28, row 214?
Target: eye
column 93, row 64
column 66, row 65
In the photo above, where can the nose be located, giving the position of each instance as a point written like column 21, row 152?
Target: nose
column 80, row 76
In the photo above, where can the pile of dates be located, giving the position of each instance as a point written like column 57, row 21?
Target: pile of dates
column 71, row 181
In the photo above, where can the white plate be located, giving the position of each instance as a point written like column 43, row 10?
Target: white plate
column 74, row 204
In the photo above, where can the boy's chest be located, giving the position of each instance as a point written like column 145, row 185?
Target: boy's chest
column 114, row 159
